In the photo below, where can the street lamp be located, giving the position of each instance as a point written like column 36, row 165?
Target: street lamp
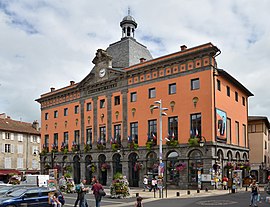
column 202, row 143
column 161, row 113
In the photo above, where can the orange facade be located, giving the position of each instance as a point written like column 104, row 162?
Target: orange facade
column 182, row 67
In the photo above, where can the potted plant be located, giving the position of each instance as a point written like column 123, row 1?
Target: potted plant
column 193, row 141
column 132, row 145
column 87, row 147
column 105, row 166
column 138, row 166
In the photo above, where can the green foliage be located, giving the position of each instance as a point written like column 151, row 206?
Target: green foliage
column 67, row 175
column 115, row 146
column 172, row 143
column 133, row 146
column 149, row 145
column 101, row 147
column 193, row 141
column 87, row 148
column 118, row 175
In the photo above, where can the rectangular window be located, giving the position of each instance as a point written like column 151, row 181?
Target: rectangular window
column 195, row 84
column 218, row 85
column 236, row 96
column 228, row 91
column 117, row 100
column 152, row 93
column 77, row 136
column 20, row 137
column 46, row 116
column 117, row 133
column 134, row 131
column 7, row 135
column 88, row 106
column 102, row 103
column 7, row 162
column 8, row 148
column 152, row 128
column 172, row 88
column 65, row 111
column 89, row 136
column 265, row 145
column 66, row 138
column 19, row 163
column 229, row 133
column 244, row 135
column 46, row 140
column 195, row 125
column 237, row 132
column 133, row 97
column 76, row 109
column 20, row 149
column 35, row 139
column 173, row 127
column 55, row 139
column 102, row 135
column 55, row 114
column 243, row 101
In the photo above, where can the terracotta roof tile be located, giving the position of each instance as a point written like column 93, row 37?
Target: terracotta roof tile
column 7, row 124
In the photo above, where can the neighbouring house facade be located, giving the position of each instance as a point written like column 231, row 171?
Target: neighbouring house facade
column 258, row 136
column 20, row 147
column 109, row 122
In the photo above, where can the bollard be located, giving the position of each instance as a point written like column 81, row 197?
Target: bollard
column 198, row 190
column 188, row 192
column 137, row 194
column 206, row 189
column 178, row 194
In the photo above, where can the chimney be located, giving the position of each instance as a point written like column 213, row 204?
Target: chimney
column 72, row 83
column 142, row 60
column 183, row 47
column 35, row 125
column 2, row 116
column 52, row 89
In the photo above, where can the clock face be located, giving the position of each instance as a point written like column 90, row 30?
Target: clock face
column 102, row 72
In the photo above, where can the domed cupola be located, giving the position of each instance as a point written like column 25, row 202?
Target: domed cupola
column 128, row 26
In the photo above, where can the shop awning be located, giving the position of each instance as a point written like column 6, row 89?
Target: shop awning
column 7, row 172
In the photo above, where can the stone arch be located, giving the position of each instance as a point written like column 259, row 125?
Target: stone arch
column 237, row 157
column 117, row 165
column 88, row 169
column 134, row 173
column 77, row 169
column 245, row 157
column 102, row 174
column 152, row 164
column 173, row 167
column 229, row 155
column 195, row 163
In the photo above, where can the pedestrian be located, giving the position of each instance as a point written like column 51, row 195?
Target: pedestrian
column 154, row 184
column 139, row 202
column 62, row 183
column 145, row 183
column 81, row 191
column 225, row 182
column 254, row 193
column 97, row 188
column 54, row 200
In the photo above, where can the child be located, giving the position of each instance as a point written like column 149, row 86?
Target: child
column 139, row 202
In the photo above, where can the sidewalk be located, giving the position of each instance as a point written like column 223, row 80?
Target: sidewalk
column 174, row 193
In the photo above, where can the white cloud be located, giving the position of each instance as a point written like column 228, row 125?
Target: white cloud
column 48, row 43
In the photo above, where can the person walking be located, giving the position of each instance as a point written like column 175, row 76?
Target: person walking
column 254, row 193
column 225, row 182
column 97, row 188
column 81, row 191
column 145, row 183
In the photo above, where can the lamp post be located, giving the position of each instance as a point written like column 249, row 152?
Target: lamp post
column 161, row 164
column 202, row 143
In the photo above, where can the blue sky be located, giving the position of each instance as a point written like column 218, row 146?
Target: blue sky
column 48, row 43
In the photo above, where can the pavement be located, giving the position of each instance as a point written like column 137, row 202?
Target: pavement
column 174, row 193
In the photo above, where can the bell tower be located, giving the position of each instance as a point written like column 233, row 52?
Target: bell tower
column 128, row 25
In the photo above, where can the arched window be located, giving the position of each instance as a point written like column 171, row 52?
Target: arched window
column 172, row 168
column 117, row 165
column 128, row 32
column 152, row 164
column 229, row 155
column 195, row 164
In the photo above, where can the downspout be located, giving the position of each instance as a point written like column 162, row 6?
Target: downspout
column 214, row 86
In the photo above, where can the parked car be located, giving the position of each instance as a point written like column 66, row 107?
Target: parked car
column 33, row 196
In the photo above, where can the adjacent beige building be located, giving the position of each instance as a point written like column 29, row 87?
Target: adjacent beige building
column 259, row 156
column 20, row 146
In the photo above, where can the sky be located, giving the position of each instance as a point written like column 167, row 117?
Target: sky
column 48, row 43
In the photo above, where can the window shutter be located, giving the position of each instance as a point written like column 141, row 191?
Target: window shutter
column 31, row 138
column 11, row 136
column 12, row 148
column 38, row 140
column 3, row 135
column 22, row 138
column 3, row 147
